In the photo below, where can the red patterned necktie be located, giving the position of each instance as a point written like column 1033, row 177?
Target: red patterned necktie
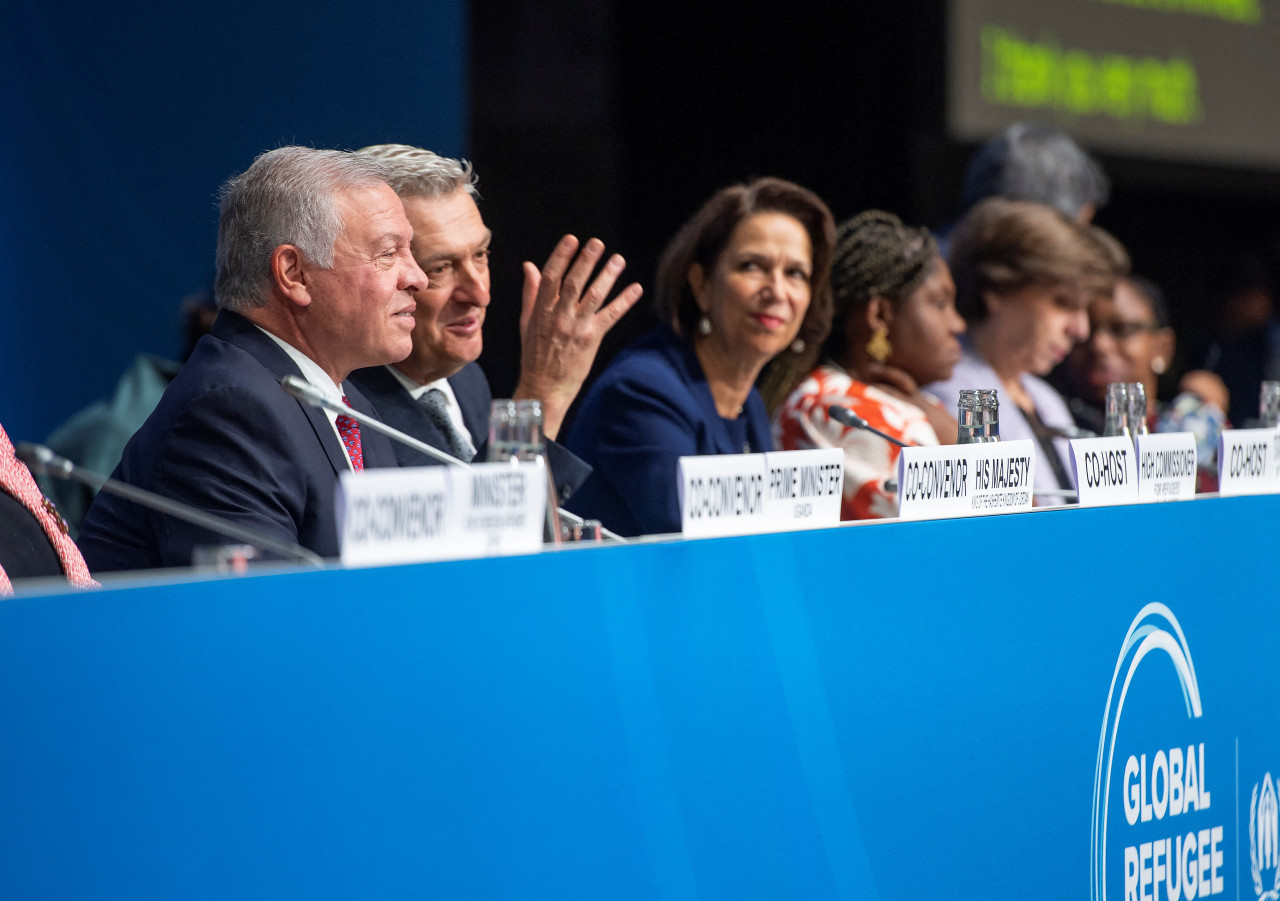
column 349, row 431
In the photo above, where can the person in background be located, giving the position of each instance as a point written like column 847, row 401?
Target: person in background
column 1025, row 274
column 34, row 542
column 1031, row 161
column 744, row 281
column 895, row 327
column 95, row 437
column 439, row 394
column 1036, row 162
column 1131, row 340
column 1245, row 348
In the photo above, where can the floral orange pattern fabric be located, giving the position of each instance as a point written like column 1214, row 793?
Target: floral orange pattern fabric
column 869, row 460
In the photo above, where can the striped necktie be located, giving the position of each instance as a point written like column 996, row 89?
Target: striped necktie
column 436, row 405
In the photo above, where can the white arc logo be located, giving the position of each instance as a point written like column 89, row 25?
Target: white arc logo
column 1154, row 628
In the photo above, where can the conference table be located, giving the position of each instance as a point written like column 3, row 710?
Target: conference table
column 1062, row 703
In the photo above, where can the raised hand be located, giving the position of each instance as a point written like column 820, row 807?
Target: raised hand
column 563, row 319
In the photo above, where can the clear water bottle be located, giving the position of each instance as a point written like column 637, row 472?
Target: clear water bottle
column 515, row 435
column 969, row 417
column 989, row 402
column 1269, row 405
column 1136, row 409
column 1117, row 411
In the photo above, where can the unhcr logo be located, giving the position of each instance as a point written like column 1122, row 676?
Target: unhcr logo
column 1264, row 840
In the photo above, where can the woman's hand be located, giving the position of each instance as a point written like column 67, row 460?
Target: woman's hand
column 900, row 384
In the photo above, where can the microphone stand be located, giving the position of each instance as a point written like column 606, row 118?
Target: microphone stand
column 44, row 461
column 845, row 416
column 299, row 388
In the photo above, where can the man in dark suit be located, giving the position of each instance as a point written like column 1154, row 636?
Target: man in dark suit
column 315, row 279
column 438, row 393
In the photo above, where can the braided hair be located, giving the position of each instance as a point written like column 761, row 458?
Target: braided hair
column 876, row 255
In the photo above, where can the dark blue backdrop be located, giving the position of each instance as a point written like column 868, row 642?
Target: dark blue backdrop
column 119, row 126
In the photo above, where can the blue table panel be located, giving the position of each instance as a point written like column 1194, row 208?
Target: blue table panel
column 888, row 711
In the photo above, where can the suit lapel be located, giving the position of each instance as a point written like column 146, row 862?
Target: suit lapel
column 471, row 388
column 237, row 330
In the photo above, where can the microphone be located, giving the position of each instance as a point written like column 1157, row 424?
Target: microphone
column 41, row 460
column 845, row 416
column 299, row 388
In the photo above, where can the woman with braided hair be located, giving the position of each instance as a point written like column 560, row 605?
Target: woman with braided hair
column 895, row 328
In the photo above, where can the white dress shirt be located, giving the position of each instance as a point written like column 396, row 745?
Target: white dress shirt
column 451, row 400
column 319, row 379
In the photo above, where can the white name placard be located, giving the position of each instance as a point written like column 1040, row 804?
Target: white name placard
column 441, row 512
column 1106, row 470
column 803, row 488
column 1249, row 461
column 722, row 495
column 965, row 479
column 1166, row 467
column 745, row 494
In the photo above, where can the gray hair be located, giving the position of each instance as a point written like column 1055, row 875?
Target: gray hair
column 287, row 196
column 414, row 172
column 1035, row 162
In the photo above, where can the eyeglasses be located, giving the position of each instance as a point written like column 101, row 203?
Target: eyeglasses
column 1121, row 331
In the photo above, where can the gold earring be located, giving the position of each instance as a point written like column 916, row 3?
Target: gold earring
column 879, row 346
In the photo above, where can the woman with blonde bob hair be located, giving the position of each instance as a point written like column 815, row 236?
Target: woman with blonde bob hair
column 745, row 281
column 1025, row 274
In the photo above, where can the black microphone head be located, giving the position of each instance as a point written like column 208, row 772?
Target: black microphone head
column 37, row 457
column 847, row 417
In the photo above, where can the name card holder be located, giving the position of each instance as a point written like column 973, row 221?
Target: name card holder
column 966, row 479
column 746, row 494
column 414, row 514
column 1166, row 467
column 1106, row 470
column 721, row 495
column 1249, row 462
column 804, row 488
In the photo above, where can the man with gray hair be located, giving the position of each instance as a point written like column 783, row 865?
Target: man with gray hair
column 1030, row 161
column 438, row 393
column 315, row 278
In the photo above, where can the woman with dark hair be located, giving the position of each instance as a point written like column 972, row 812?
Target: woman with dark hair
column 744, row 281
column 33, row 538
column 1025, row 274
column 1131, row 339
column 895, row 328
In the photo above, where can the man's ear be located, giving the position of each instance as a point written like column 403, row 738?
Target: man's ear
column 289, row 272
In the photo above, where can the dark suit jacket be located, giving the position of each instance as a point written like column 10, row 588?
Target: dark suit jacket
column 397, row 408
column 648, row 409
column 226, row 439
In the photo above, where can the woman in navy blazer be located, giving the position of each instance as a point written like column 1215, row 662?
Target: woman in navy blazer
column 744, row 281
